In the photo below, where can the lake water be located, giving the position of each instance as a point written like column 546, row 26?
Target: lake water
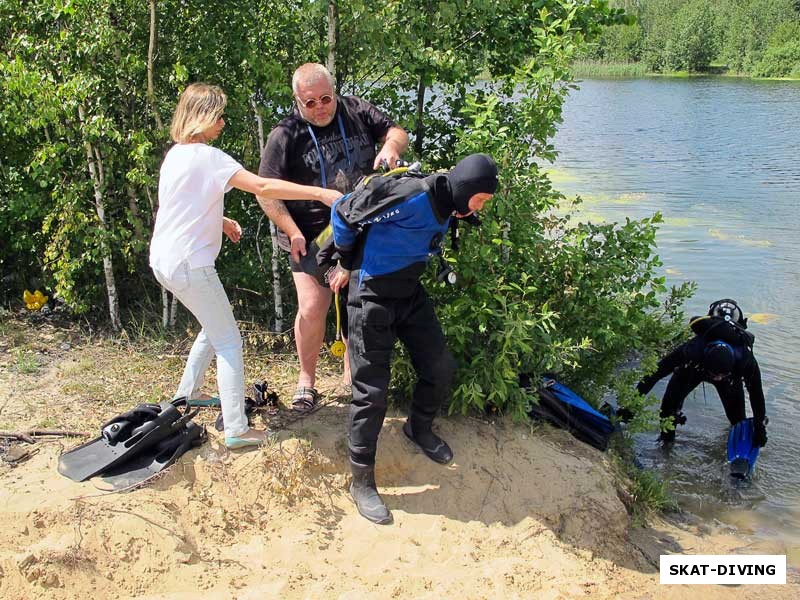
column 720, row 159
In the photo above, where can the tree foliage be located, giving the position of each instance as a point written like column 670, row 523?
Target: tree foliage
column 538, row 292
column 755, row 37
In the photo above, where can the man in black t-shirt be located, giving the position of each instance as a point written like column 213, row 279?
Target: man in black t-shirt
column 328, row 141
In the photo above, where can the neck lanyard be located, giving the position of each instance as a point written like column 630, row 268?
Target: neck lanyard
column 319, row 150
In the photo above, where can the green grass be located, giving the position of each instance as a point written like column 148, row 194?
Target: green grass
column 84, row 365
column 85, row 389
column 13, row 334
column 600, row 70
column 649, row 494
column 25, row 361
column 642, row 491
column 591, row 68
column 48, row 423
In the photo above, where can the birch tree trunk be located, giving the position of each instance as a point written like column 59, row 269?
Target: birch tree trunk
column 167, row 315
column 273, row 234
column 333, row 18
column 419, row 129
column 96, row 174
column 151, row 51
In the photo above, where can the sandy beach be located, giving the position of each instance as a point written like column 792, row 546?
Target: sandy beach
column 522, row 512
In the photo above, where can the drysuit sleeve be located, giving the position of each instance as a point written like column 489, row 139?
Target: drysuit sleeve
column 752, row 382
column 666, row 365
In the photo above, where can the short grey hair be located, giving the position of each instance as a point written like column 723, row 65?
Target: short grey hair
column 310, row 73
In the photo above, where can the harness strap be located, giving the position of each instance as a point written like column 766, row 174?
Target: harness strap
column 321, row 158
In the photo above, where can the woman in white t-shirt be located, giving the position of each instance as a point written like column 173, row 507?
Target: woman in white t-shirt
column 188, row 236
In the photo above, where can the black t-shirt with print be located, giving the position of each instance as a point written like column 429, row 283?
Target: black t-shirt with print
column 290, row 154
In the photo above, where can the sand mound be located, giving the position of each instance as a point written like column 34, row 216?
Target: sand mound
column 518, row 515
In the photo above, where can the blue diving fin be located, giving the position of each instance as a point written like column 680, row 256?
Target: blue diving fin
column 564, row 408
column 742, row 454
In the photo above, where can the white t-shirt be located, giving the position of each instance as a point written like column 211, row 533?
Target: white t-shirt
column 191, row 188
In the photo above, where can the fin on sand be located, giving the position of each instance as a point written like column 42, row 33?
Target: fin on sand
column 563, row 408
column 154, row 460
column 124, row 437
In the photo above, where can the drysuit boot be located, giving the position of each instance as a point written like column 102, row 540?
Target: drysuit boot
column 667, row 437
column 420, row 433
column 365, row 494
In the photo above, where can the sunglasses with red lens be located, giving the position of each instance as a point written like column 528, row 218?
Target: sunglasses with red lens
column 311, row 103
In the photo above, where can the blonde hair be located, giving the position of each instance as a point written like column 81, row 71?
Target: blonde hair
column 309, row 74
column 199, row 108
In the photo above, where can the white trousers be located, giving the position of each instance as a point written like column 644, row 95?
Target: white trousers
column 201, row 292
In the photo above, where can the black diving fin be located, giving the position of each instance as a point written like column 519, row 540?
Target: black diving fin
column 122, row 438
column 155, row 459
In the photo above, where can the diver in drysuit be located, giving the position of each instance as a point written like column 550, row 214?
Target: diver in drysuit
column 721, row 353
column 385, row 232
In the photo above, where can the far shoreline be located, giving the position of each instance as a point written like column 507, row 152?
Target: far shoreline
column 587, row 69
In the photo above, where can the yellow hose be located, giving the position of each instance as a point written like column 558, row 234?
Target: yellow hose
column 338, row 348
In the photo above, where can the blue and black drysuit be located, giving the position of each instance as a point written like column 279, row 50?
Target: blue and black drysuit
column 687, row 365
column 386, row 238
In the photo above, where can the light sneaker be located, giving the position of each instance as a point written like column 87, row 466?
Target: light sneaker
column 250, row 438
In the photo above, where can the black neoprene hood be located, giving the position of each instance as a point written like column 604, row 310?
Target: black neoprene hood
column 475, row 174
column 718, row 358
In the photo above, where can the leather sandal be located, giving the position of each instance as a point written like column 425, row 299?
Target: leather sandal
column 305, row 400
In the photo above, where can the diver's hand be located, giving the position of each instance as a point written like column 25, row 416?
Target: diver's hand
column 760, row 435
column 298, row 246
column 389, row 154
column 339, row 279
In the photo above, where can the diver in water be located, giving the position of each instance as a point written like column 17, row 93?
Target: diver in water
column 720, row 353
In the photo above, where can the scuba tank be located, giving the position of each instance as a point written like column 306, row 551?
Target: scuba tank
column 725, row 320
column 728, row 310
column 724, row 323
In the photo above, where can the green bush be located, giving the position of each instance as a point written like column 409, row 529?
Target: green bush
column 682, row 35
column 539, row 292
column 748, row 29
column 690, row 35
column 780, row 61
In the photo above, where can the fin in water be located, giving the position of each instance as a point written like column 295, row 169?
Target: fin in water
column 742, row 454
column 155, row 459
column 122, row 438
column 565, row 409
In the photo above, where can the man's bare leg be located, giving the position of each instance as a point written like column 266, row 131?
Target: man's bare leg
column 313, row 302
